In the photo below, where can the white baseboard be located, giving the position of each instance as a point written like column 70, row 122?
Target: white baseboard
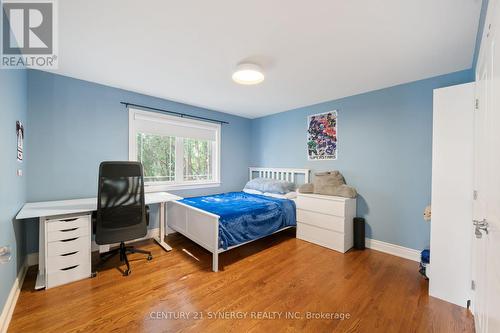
column 395, row 250
column 10, row 303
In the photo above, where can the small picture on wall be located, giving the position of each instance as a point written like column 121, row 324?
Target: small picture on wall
column 322, row 136
column 20, row 140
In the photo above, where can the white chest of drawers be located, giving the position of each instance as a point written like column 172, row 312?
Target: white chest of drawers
column 67, row 252
column 326, row 220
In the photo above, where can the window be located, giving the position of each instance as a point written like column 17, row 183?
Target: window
column 176, row 153
column 197, row 159
column 157, row 154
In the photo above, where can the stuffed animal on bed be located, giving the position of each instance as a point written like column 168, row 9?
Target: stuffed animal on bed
column 329, row 183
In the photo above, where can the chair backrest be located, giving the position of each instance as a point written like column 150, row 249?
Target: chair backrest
column 121, row 212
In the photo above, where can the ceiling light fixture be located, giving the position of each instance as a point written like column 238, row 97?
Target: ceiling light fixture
column 248, row 74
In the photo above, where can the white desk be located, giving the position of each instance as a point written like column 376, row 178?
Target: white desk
column 51, row 209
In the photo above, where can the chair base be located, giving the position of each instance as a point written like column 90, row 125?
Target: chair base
column 122, row 251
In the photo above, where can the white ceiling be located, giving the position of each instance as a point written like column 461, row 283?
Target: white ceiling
column 311, row 51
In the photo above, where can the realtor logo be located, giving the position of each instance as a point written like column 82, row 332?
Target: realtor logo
column 29, row 34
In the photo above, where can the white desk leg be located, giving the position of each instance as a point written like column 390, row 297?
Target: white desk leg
column 215, row 261
column 163, row 226
column 40, row 278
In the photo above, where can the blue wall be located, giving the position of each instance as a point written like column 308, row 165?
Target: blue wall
column 75, row 124
column 12, row 188
column 385, row 149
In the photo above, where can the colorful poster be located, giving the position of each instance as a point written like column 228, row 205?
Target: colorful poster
column 322, row 136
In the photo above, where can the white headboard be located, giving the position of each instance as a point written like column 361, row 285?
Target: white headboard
column 279, row 173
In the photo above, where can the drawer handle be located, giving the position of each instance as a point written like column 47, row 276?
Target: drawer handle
column 69, row 254
column 70, row 267
column 69, row 220
column 66, row 230
column 69, row 239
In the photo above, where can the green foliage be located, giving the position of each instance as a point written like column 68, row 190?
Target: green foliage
column 197, row 159
column 157, row 154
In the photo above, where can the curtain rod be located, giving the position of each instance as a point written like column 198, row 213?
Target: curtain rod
column 182, row 115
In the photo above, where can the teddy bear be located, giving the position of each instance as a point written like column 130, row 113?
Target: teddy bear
column 427, row 213
column 329, row 183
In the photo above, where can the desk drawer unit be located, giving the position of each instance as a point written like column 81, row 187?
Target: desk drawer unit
column 68, row 223
column 67, row 275
column 68, row 253
column 65, row 246
column 326, row 220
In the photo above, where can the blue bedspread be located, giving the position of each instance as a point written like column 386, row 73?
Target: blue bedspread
column 245, row 217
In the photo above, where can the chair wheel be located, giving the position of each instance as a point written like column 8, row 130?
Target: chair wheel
column 127, row 272
column 150, row 257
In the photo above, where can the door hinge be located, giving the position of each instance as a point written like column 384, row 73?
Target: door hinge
column 473, row 285
column 474, row 195
column 476, row 105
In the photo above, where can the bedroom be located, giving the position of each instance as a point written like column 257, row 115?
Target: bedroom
column 392, row 84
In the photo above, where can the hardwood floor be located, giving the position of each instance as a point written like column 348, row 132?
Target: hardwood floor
column 278, row 274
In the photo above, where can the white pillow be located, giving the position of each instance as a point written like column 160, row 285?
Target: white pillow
column 250, row 191
column 270, row 185
column 289, row 195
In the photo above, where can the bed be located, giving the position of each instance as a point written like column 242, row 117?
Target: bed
column 224, row 221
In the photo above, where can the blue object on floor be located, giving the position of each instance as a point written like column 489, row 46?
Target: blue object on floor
column 425, row 256
column 245, row 217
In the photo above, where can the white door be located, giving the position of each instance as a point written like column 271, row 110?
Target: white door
column 452, row 184
column 479, row 250
column 486, row 249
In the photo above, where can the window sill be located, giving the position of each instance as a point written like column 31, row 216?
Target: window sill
column 175, row 187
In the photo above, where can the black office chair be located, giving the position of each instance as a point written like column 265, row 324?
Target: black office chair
column 121, row 212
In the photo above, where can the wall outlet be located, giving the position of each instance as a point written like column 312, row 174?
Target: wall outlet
column 5, row 254
column 19, row 172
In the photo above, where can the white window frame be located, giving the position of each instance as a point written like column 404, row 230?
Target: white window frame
column 179, row 183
